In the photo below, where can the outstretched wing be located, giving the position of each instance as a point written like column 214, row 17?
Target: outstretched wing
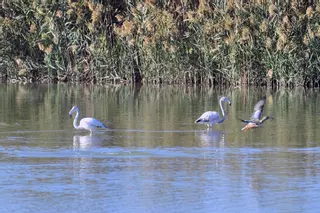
column 245, row 121
column 258, row 109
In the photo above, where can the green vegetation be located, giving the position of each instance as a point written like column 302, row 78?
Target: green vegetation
column 188, row 42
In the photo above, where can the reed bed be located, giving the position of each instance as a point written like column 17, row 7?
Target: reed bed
column 217, row 42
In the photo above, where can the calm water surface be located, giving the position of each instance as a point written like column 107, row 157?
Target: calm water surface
column 154, row 158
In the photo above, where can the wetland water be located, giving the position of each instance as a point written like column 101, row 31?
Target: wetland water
column 155, row 159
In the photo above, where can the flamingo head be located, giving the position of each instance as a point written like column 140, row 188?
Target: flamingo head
column 73, row 109
column 226, row 99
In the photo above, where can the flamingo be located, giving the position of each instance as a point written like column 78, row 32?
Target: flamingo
column 212, row 117
column 86, row 123
column 256, row 120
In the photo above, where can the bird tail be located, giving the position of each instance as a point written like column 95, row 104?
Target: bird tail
column 198, row 120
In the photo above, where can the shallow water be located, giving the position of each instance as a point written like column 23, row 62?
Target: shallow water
column 154, row 158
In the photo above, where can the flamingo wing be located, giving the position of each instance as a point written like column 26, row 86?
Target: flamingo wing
column 91, row 123
column 209, row 117
column 258, row 109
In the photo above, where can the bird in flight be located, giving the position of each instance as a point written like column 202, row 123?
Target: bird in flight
column 256, row 120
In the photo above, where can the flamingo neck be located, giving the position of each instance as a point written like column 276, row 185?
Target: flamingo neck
column 223, row 113
column 76, row 119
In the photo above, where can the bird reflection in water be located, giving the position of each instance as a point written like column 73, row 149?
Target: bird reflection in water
column 211, row 137
column 85, row 142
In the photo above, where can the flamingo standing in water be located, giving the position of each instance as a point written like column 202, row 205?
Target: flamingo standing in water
column 256, row 120
column 212, row 117
column 86, row 123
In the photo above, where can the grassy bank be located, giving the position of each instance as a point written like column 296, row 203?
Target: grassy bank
column 186, row 42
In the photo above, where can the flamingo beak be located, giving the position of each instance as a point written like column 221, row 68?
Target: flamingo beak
column 70, row 115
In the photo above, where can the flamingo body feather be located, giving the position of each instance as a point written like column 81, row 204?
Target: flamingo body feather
column 209, row 117
column 212, row 117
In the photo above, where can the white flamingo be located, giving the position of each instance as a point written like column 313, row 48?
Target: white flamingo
column 212, row 117
column 86, row 123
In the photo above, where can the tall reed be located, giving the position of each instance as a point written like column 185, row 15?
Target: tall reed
column 214, row 42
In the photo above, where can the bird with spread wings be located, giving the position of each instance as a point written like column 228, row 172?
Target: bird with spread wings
column 256, row 120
